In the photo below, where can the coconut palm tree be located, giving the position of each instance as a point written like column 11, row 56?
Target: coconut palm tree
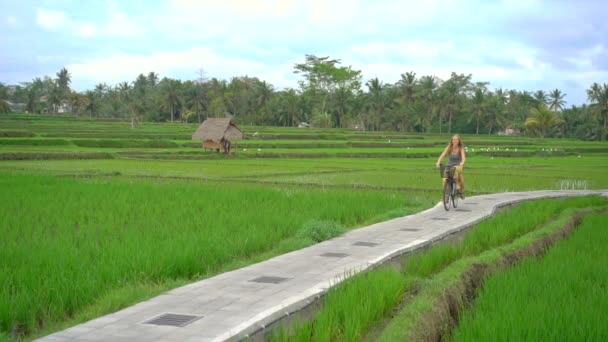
column 377, row 103
column 541, row 119
column 152, row 78
column 556, row 100
column 598, row 96
column 479, row 102
column 452, row 93
column 173, row 96
column 407, row 84
column 63, row 85
column 541, row 97
column 427, row 89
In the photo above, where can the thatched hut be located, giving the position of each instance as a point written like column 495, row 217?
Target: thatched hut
column 217, row 134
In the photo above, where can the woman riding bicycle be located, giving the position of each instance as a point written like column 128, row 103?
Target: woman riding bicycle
column 455, row 150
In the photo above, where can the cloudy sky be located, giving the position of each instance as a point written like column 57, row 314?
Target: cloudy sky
column 513, row 44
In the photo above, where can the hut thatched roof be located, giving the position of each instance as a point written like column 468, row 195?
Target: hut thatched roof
column 215, row 129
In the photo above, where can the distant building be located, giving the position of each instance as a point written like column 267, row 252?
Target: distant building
column 509, row 131
column 16, row 107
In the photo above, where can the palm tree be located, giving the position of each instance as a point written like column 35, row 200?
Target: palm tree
column 54, row 97
column 75, row 102
column 152, row 78
column 556, row 100
column 541, row 119
column 598, row 96
column 172, row 96
column 377, row 102
column 127, row 99
column 427, row 93
column 479, row 103
column 451, row 95
column 91, row 102
column 494, row 117
column 541, row 97
column 407, row 84
column 63, row 84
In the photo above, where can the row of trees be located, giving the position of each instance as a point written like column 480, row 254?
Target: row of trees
column 329, row 95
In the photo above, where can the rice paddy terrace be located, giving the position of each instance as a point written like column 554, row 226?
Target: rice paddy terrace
column 80, row 192
column 319, row 157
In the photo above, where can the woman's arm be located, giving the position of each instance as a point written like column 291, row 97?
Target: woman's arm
column 445, row 151
column 463, row 156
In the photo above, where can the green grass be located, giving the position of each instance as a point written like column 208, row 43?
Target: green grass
column 560, row 297
column 154, row 187
column 68, row 242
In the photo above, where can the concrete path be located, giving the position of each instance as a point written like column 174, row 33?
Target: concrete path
column 233, row 305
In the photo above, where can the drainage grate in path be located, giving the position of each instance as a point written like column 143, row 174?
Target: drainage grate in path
column 465, row 210
column 440, row 218
column 366, row 244
column 269, row 280
column 410, row 229
column 334, row 255
column 173, row 320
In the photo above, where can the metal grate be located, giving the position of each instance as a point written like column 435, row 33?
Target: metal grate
column 472, row 203
column 366, row 244
column 334, row 255
column 440, row 218
column 489, row 199
column 269, row 280
column 173, row 320
column 465, row 210
column 410, row 229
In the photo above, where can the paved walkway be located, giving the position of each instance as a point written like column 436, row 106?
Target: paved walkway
column 232, row 305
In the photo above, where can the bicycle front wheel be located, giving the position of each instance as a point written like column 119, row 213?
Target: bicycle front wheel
column 447, row 193
column 454, row 196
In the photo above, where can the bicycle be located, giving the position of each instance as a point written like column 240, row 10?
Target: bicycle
column 450, row 193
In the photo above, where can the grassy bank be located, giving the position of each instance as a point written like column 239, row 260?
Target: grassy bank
column 560, row 297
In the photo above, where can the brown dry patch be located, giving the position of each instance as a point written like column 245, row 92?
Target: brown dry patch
column 445, row 314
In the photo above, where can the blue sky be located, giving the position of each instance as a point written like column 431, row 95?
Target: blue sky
column 513, row 44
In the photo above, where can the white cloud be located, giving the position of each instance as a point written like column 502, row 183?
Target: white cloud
column 11, row 21
column 59, row 21
column 120, row 25
column 52, row 20
column 236, row 8
column 411, row 49
column 86, row 30
column 176, row 64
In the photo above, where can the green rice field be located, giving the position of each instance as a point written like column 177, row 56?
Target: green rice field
column 564, row 294
column 97, row 216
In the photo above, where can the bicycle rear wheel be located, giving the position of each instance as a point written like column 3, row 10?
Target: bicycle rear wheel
column 447, row 193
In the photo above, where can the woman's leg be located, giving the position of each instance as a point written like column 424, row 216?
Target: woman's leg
column 459, row 178
column 461, row 183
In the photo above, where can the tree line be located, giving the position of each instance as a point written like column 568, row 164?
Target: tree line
column 328, row 95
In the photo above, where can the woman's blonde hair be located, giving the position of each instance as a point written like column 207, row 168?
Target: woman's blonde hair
column 460, row 144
